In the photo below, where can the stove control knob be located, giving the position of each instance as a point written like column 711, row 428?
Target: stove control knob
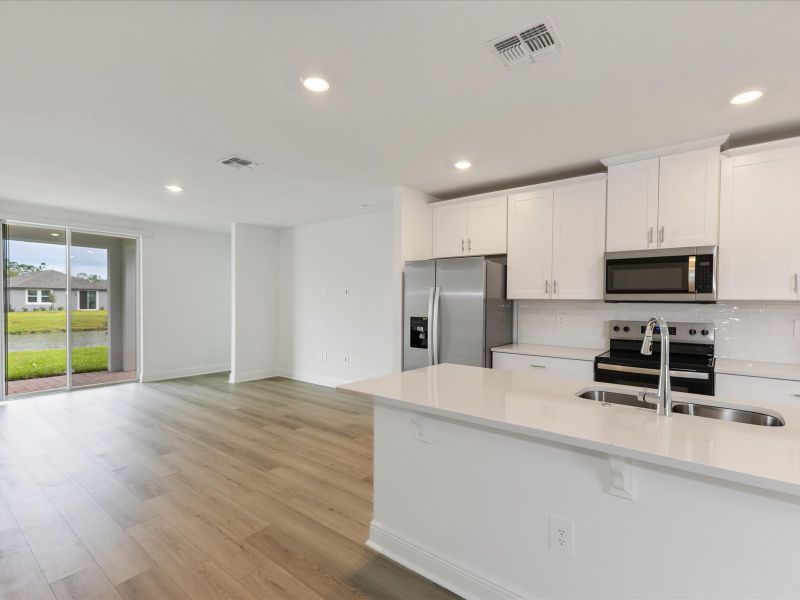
column 704, row 332
column 626, row 329
column 616, row 327
column 692, row 331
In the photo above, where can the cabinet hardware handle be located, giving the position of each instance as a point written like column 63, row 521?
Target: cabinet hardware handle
column 462, row 245
column 546, row 286
column 796, row 395
column 661, row 235
column 649, row 236
column 538, row 366
column 555, row 286
column 795, row 283
column 469, row 245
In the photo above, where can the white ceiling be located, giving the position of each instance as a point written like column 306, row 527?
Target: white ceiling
column 103, row 103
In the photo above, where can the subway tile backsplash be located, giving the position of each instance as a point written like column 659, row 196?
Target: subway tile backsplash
column 761, row 331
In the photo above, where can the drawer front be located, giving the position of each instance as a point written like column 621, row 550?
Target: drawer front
column 755, row 389
column 544, row 365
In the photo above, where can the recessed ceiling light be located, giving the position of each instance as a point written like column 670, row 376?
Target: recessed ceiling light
column 174, row 188
column 463, row 165
column 748, row 96
column 316, row 84
column 55, row 234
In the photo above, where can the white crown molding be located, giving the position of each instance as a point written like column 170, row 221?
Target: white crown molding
column 522, row 189
column 774, row 145
column 666, row 150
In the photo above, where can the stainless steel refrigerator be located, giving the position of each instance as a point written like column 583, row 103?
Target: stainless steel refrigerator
column 455, row 311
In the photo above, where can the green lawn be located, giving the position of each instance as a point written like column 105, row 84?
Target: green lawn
column 54, row 320
column 30, row 364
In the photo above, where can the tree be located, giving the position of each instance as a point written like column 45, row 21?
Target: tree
column 92, row 277
column 14, row 268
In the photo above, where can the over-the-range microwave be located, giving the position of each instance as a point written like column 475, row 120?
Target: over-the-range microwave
column 663, row 275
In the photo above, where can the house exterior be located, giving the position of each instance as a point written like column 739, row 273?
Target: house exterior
column 47, row 290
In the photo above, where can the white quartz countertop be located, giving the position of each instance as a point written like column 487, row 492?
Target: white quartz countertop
column 547, row 408
column 551, row 351
column 750, row 368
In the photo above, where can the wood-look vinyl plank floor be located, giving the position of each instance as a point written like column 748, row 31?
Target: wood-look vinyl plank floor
column 192, row 489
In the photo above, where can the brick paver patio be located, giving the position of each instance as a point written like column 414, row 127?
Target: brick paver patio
column 25, row 386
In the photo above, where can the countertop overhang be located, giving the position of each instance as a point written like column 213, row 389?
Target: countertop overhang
column 547, row 408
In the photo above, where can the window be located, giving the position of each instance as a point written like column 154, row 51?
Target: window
column 32, row 296
column 39, row 296
column 46, row 296
column 87, row 299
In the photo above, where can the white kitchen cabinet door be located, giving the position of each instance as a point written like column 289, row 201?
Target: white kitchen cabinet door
column 579, row 239
column 688, row 199
column 530, row 244
column 487, row 226
column 450, row 230
column 632, row 205
column 759, row 246
column 564, row 368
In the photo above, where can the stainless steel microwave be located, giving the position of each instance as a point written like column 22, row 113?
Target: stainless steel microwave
column 663, row 275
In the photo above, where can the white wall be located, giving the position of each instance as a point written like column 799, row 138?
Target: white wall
column 761, row 331
column 254, row 290
column 336, row 299
column 185, row 289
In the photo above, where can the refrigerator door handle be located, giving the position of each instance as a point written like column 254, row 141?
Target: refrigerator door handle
column 435, row 340
column 430, row 326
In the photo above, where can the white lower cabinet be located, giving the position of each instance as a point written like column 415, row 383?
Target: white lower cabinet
column 755, row 390
column 544, row 365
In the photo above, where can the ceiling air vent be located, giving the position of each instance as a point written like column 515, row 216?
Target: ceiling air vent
column 237, row 162
column 528, row 45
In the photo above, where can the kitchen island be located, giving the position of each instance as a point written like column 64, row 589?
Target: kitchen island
column 498, row 484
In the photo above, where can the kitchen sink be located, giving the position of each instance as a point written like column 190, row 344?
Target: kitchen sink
column 722, row 413
column 609, row 397
column 728, row 414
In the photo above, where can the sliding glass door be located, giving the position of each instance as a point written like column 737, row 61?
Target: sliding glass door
column 35, row 308
column 103, row 324
column 69, row 303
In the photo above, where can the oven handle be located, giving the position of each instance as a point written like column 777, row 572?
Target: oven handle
column 691, row 274
column 645, row 371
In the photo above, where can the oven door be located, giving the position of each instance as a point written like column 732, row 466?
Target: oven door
column 692, row 382
column 651, row 276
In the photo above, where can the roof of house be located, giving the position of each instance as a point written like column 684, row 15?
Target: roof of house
column 53, row 280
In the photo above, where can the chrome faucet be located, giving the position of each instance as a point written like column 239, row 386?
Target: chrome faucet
column 663, row 399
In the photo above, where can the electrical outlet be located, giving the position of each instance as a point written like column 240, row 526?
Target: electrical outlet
column 562, row 536
column 347, row 359
column 561, row 320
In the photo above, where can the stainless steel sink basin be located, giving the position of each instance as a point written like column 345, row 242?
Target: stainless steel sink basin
column 728, row 414
column 609, row 397
column 722, row 413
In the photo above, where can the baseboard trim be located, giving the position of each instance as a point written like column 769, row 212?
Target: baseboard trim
column 253, row 375
column 306, row 377
column 187, row 372
column 448, row 572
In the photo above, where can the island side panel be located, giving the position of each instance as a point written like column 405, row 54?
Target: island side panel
column 469, row 507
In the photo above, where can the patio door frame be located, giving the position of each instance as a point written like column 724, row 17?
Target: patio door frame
column 68, row 229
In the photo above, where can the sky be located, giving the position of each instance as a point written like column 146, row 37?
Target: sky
column 92, row 261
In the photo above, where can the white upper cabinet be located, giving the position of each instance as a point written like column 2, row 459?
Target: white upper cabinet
column 487, row 226
column 688, row 199
column 759, row 246
column 668, row 201
column 556, row 240
column 470, row 228
column 530, row 244
column 633, row 205
column 579, row 240
column 449, row 230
